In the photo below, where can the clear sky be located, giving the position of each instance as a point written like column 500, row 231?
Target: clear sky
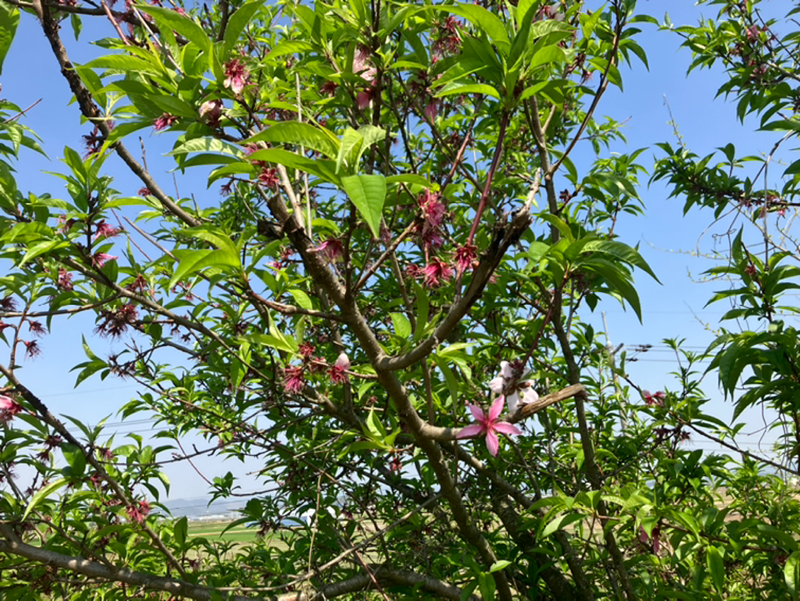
column 672, row 310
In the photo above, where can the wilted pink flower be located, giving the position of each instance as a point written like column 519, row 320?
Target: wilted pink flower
column 331, row 249
column 164, row 121
column 138, row 512
column 37, row 328
column 236, row 76
column 64, row 224
column 487, row 424
column 432, row 208
column 338, row 371
column 31, row 349
column 651, row 400
column 293, row 379
column 64, row 280
column 100, row 259
column 144, row 192
column 413, row 271
column 306, row 350
column 104, row 230
column 269, row 178
column 432, row 109
column 436, row 272
column 329, row 88
column 211, row 112
column 114, row 323
column 465, row 257
column 656, row 538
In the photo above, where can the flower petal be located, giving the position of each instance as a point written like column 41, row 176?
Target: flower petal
column 470, row 431
column 505, row 370
column 530, row 396
column 513, row 401
column 477, row 412
column 496, row 408
column 506, row 428
column 497, row 384
column 492, row 443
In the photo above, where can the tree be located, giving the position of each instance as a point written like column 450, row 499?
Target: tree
column 377, row 275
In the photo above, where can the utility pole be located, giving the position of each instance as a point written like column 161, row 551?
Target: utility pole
column 612, row 359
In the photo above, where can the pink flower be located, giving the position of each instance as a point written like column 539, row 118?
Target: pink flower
column 164, row 121
column 465, row 257
column 211, row 112
column 140, row 513
column 236, row 76
column 331, row 249
column 362, row 65
column 431, row 110
column 269, row 178
column 64, row 280
column 144, row 192
column 363, row 99
column 651, row 400
column 338, row 371
column 100, row 259
column 105, row 230
column 433, row 209
column 8, row 407
column 508, row 384
column 436, row 272
column 293, row 379
column 488, row 425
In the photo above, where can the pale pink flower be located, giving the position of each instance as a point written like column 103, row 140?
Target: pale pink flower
column 508, row 383
column 431, row 110
column 487, row 424
column 338, row 371
column 236, row 76
column 211, row 112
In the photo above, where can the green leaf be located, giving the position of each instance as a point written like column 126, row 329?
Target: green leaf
column 717, row 567
column 194, row 260
column 321, row 168
column 561, row 522
column 274, row 340
column 179, row 531
column 9, row 19
column 620, row 251
column 174, row 106
column 367, row 193
column 75, row 459
column 208, row 145
column 484, row 20
column 237, row 23
column 352, row 141
column 402, row 327
column 473, row 88
column 499, row 565
column 300, row 134
column 302, row 299
column 125, row 63
column 42, row 494
column 183, row 25
column 791, row 573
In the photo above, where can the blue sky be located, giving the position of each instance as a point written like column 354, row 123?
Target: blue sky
column 672, row 310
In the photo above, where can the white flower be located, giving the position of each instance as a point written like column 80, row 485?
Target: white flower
column 507, row 378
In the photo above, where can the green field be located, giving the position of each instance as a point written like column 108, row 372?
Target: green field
column 213, row 531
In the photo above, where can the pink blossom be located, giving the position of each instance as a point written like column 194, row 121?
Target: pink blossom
column 331, row 249
column 164, row 121
column 236, row 76
column 362, row 65
column 364, row 98
column 436, row 272
column 433, row 209
column 144, row 192
column 8, row 407
column 211, row 112
column 508, row 384
column 104, row 230
column 64, row 280
column 293, row 379
column 100, row 259
column 138, row 512
column 488, row 425
column 269, row 178
column 651, row 400
column 465, row 257
column 338, row 371
column 431, row 110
